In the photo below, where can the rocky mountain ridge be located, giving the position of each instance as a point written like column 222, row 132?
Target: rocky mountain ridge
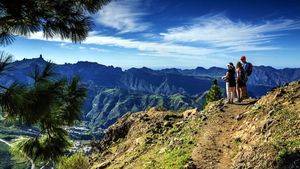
column 260, row 133
column 111, row 104
column 137, row 82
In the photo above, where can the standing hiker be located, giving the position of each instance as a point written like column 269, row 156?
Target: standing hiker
column 240, row 81
column 248, row 71
column 230, row 82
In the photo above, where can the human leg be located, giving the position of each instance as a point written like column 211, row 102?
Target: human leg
column 241, row 89
column 232, row 94
column 245, row 92
column 238, row 94
column 229, row 95
column 227, row 91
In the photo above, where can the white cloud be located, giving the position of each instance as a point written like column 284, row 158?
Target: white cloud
column 98, row 49
column 160, row 48
column 220, row 32
column 62, row 44
column 68, row 45
column 206, row 36
column 65, row 45
column 123, row 15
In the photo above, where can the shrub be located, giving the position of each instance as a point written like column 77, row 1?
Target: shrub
column 76, row 161
column 214, row 93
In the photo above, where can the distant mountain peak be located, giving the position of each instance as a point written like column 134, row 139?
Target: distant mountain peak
column 200, row 68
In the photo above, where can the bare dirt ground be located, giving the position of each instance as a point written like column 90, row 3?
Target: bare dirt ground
column 216, row 143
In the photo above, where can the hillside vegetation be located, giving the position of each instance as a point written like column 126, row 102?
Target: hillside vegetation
column 111, row 104
column 106, row 83
column 262, row 133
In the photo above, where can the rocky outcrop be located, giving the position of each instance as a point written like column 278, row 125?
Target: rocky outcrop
column 260, row 133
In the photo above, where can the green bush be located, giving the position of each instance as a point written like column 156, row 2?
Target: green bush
column 76, row 161
column 214, row 93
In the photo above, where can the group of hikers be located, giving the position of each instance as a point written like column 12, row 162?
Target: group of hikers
column 236, row 80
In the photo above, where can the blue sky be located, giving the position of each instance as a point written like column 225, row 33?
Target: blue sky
column 183, row 34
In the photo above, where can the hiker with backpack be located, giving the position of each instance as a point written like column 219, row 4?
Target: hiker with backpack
column 230, row 82
column 248, row 67
column 240, row 81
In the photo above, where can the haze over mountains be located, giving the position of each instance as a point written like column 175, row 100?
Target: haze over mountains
column 112, row 92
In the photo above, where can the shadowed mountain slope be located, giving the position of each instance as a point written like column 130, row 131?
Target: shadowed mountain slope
column 139, row 87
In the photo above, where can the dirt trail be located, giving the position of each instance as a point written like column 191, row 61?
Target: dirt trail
column 216, row 142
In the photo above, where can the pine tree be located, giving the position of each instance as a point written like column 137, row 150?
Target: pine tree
column 214, row 92
column 51, row 104
column 68, row 19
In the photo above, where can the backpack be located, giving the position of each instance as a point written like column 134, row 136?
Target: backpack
column 248, row 69
column 243, row 76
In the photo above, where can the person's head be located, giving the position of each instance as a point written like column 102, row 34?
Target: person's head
column 243, row 59
column 230, row 66
column 239, row 65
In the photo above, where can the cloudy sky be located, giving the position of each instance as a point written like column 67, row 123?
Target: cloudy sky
column 183, row 34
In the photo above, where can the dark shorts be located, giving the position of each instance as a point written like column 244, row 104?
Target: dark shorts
column 240, row 84
column 232, row 84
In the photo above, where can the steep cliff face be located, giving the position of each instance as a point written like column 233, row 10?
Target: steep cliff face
column 111, row 104
column 158, row 82
column 266, row 75
column 260, row 133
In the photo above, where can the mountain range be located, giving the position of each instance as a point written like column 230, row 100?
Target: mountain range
column 112, row 92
